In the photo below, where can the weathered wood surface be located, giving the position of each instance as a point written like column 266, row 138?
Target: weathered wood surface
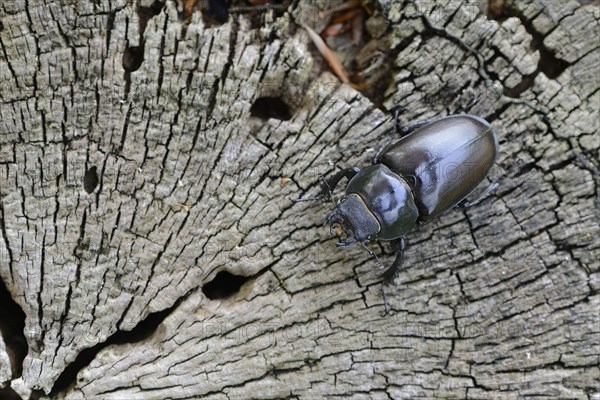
column 499, row 301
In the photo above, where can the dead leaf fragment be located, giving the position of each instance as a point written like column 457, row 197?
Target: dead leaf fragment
column 330, row 57
column 188, row 7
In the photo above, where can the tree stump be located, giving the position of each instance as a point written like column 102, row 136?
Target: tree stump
column 149, row 247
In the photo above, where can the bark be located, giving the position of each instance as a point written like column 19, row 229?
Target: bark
column 137, row 163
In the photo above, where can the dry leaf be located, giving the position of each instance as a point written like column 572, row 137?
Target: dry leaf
column 188, row 7
column 329, row 56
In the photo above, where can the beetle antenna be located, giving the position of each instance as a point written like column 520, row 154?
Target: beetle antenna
column 326, row 186
column 372, row 253
column 385, row 303
column 333, row 217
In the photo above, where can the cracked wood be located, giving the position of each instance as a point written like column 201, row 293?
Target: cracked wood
column 495, row 301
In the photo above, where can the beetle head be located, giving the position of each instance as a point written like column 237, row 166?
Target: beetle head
column 342, row 229
column 353, row 221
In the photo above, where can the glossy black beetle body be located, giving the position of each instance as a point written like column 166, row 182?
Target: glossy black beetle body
column 413, row 180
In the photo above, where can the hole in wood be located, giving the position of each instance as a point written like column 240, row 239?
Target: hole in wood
column 12, row 323
column 36, row 394
column 143, row 330
column 133, row 57
column 146, row 13
column 8, row 393
column 224, row 285
column 270, row 107
column 255, row 11
column 214, row 12
column 90, row 180
column 549, row 64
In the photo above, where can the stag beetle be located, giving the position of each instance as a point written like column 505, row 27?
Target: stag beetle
column 433, row 167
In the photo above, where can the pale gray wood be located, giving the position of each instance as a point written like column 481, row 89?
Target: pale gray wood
column 5, row 372
column 498, row 301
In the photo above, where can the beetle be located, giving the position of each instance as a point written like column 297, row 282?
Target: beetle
column 429, row 170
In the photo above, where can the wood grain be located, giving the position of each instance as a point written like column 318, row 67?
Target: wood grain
column 498, row 301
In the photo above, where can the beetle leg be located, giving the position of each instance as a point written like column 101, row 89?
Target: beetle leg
column 385, row 303
column 474, row 100
column 394, row 132
column 466, row 204
column 390, row 274
column 413, row 126
column 405, row 130
column 328, row 185
column 346, row 243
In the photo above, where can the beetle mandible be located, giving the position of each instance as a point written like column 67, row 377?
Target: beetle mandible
column 429, row 170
